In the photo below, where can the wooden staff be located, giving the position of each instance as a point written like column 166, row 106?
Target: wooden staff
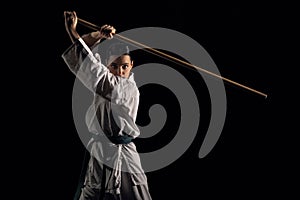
column 169, row 57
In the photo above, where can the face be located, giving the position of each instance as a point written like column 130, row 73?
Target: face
column 120, row 66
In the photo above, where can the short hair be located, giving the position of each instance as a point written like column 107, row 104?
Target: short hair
column 117, row 49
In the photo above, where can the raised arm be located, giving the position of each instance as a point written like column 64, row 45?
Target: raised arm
column 81, row 60
column 71, row 20
column 71, row 25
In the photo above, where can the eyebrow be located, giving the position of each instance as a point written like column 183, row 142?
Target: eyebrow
column 121, row 63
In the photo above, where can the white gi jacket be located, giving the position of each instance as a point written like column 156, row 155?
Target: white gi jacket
column 112, row 114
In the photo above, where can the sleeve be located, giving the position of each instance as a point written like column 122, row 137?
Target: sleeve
column 89, row 69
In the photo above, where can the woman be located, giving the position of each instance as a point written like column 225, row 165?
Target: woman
column 114, row 170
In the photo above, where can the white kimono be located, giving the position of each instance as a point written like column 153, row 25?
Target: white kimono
column 114, row 168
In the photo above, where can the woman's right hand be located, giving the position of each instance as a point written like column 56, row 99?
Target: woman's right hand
column 71, row 21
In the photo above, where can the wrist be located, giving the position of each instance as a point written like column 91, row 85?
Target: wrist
column 74, row 34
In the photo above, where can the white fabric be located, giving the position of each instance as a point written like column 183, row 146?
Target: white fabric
column 116, row 101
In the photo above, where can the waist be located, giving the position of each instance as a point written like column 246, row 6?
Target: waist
column 121, row 139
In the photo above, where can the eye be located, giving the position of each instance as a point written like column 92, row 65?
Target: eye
column 113, row 65
column 124, row 66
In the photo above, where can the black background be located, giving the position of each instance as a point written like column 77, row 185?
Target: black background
column 242, row 40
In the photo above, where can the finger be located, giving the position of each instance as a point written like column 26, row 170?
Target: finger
column 113, row 31
column 66, row 13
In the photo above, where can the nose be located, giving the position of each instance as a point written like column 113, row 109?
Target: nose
column 120, row 71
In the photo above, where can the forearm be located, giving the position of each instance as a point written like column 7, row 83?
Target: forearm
column 92, row 38
column 73, row 35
